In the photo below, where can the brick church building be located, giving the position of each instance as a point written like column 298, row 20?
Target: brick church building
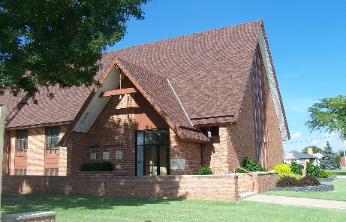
column 167, row 107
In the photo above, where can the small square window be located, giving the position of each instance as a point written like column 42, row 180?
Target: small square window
column 105, row 155
column 92, row 155
column 118, row 155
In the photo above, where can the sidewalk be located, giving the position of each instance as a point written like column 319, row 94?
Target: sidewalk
column 307, row 202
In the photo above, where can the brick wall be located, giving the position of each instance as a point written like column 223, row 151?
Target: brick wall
column 213, row 187
column 190, row 152
column 183, row 187
column 256, row 182
column 115, row 128
column 237, row 141
column 275, row 148
column 36, row 150
column 35, row 156
column 216, row 154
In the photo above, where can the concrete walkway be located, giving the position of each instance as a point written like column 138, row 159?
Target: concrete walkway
column 306, row 202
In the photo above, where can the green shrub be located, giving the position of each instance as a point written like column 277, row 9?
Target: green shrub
column 312, row 170
column 99, row 166
column 241, row 170
column 284, row 170
column 205, row 171
column 252, row 165
column 325, row 174
column 297, row 168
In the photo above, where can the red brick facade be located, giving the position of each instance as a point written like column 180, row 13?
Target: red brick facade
column 216, row 187
column 114, row 131
column 36, row 160
column 115, row 128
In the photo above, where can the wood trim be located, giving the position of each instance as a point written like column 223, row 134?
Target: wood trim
column 116, row 92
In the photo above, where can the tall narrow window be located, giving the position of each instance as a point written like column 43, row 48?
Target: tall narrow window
column 259, row 107
column 22, row 140
column 52, row 137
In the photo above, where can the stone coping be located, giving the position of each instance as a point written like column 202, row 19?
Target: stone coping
column 27, row 216
column 330, row 179
column 319, row 188
column 258, row 173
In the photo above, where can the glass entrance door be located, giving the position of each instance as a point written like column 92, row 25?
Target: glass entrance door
column 152, row 152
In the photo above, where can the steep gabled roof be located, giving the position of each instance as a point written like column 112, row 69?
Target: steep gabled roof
column 197, row 79
column 161, row 95
column 208, row 69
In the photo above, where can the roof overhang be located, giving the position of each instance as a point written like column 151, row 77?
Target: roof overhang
column 274, row 87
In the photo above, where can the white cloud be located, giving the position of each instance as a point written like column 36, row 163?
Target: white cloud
column 296, row 135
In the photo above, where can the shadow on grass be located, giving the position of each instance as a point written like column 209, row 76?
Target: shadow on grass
column 14, row 203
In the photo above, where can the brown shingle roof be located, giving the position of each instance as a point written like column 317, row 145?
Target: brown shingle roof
column 22, row 112
column 161, row 96
column 208, row 72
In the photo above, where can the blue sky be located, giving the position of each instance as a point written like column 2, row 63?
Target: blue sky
column 307, row 39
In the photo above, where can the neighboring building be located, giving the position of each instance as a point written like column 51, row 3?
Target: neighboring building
column 343, row 161
column 167, row 107
column 301, row 158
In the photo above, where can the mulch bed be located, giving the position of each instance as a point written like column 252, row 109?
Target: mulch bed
column 319, row 188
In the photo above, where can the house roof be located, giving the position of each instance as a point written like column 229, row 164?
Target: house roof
column 198, row 78
column 23, row 112
column 297, row 155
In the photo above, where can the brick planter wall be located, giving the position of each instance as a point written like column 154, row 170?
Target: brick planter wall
column 223, row 187
column 257, row 182
column 208, row 187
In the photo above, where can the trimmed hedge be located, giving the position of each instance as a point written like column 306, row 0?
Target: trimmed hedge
column 99, row 166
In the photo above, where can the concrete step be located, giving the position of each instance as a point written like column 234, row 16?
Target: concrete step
column 245, row 195
column 242, row 191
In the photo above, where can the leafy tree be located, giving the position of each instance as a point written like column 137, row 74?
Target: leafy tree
column 329, row 159
column 52, row 42
column 330, row 115
column 315, row 149
column 341, row 153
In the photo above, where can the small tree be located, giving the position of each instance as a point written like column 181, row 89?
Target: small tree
column 315, row 149
column 329, row 115
column 329, row 159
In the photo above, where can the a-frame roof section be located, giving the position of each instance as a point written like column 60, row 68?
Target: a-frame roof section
column 208, row 69
column 161, row 95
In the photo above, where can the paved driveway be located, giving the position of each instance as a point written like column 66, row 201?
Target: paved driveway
column 297, row 201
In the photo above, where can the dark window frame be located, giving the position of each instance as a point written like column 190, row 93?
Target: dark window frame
column 52, row 137
column 22, row 140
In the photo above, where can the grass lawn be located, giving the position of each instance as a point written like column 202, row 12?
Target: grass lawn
column 73, row 209
column 341, row 172
column 338, row 194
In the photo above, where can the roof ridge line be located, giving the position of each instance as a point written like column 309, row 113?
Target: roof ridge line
column 184, row 35
column 180, row 103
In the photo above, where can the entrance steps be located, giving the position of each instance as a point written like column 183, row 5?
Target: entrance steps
column 243, row 194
